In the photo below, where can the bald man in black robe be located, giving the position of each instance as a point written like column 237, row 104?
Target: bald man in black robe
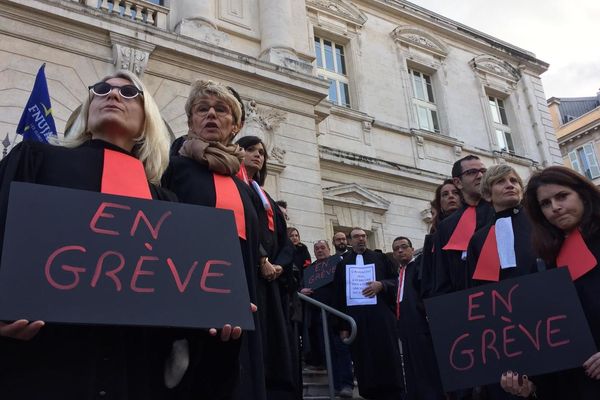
column 375, row 350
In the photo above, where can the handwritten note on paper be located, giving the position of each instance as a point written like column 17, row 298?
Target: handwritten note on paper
column 357, row 277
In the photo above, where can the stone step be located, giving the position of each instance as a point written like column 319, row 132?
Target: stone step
column 314, row 376
column 316, row 385
column 315, row 389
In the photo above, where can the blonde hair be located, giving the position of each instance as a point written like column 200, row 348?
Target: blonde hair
column 152, row 147
column 493, row 175
column 204, row 88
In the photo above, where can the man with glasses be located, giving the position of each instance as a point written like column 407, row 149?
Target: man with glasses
column 421, row 376
column 449, row 273
column 375, row 351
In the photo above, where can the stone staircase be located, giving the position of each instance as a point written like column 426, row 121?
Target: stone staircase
column 316, row 385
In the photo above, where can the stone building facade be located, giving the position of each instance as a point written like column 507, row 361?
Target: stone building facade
column 364, row 105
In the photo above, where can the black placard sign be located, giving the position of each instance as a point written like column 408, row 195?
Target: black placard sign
column 532, row 325
column 320, row 273
column 73, row 256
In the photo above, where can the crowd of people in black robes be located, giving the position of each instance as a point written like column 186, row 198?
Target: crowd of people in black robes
column 558, row 211
column 555, row 215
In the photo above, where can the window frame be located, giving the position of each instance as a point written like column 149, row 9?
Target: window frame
column 427, row 104
column 335, row 76
column 501, row 127
column 589, row 160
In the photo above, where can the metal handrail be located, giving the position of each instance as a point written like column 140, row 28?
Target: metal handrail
column 324, row 310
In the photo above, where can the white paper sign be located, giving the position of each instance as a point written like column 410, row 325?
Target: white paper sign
column 357, row 277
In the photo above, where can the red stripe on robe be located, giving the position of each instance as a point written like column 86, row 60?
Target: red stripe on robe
column 228, row 198
column 575, row 255
column 488, row 263
column 243, row 174
column 124, row 175
column 464, row 231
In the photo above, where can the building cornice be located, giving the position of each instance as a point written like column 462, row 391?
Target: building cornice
column 76, row 19
column 591, row 128
column 340, row 9
column 463, row 33
column 578, row 125
column 419, row 177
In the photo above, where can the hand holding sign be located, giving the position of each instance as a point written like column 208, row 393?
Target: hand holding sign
column 227, row 332
column 592, row 366
column 373, row 287
column 21, row 329
column 359, row 279
column 517, row 385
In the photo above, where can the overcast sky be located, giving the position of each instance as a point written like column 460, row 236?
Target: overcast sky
column 563, row 33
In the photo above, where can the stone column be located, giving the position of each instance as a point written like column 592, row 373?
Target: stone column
column 277, row 42
column 196, row 19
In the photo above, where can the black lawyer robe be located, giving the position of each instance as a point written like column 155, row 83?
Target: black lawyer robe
column 423, row 381
column 526, row 258
column 448, row 272
column 78, row 362
column 193, row 183
column 526, row 264
column 375, row 351
column 574, row 383
column 425, row 260
column 280, row 341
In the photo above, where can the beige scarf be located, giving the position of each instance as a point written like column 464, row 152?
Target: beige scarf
column 220, row 158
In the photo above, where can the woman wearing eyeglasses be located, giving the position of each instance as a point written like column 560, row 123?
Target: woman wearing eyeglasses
column 204, row 173
column 448, row 271
column 52, row 361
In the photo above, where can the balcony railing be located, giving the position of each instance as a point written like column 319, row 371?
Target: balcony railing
column 140, row 11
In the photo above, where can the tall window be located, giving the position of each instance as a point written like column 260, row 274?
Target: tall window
column 331, row 64
column 583, row 160
column 501, row 127
column 424, row 102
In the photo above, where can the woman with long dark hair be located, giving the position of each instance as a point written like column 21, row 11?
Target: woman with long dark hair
column 447, row 200
column 274, row 290
column 564, row 208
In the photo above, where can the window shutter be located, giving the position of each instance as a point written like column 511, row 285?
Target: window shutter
column 590, row 154
column 575, row 161
column 509, row 142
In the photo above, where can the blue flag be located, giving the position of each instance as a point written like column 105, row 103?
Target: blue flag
column 37, row 123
